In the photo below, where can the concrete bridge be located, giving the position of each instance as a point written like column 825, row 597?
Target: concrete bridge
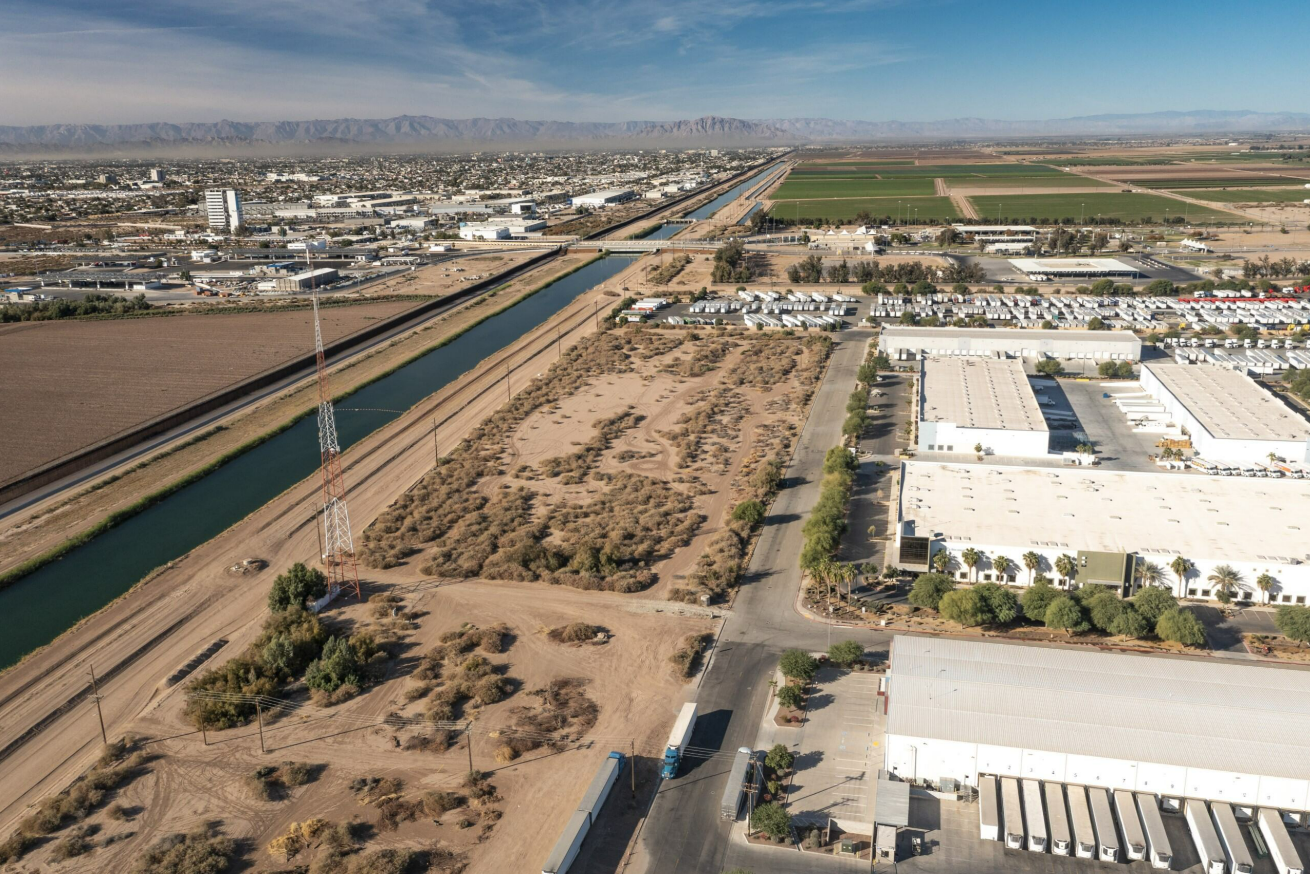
column 618, row 246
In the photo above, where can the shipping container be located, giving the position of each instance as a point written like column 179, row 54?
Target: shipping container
column 1012, row 812
column 740, row 780
column 1159, row 853
column 1134, row 839
column 1230, row 835
column 1034, row 817
column 1057, row 817
column 580, row 823
column 1080, row 817
column 1284, row 855
column 1204, row 837
column 989, row 825
column 1107, row 836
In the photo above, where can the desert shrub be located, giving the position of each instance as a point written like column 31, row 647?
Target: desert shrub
column 436, row 742
column 578, row 632
column 489, row 690
column 75, row 844
column 686, row 658
column 15, row 846
column 588, row 457
column 203, row 851
column 119, row 761
column 751, row 512
column 506, row 754
column 296, row 586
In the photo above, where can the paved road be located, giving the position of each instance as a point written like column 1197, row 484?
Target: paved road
column 684, row 832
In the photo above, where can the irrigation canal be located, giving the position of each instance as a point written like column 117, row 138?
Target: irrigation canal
column 44, row 604
column 734, row 192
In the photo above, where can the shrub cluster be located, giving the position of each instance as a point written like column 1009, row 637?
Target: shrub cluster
column 577, row 464
column 686, row 658
column 671, row 268
column 827, row 522
column 460, row 676
column 203, row 850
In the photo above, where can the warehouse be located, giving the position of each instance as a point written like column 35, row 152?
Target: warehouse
column 1108, row 521
column 901, row 343
column 608, row 197
column 970, row 402
column 1228, row 415
column 316, row 278
column 1040, row 269
column 1167, row 726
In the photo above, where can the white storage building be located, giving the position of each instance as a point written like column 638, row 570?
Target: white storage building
column 1166, row 726
column 1227, row 414
column 608, row 197
column 1075, row 268
column 967, row 402
column 903, row 342
column 1257, row 526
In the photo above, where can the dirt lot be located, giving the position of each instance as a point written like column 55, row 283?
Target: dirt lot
column 51, row 522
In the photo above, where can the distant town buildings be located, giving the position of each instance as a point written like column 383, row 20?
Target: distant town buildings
column 223, row 208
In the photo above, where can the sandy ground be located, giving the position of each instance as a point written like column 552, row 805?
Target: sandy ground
column 44, row 525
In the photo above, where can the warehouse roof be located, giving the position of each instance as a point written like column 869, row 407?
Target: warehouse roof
column 1171, row 711
column 1230, row 405
column 1075, row 266
column 1160, row 514
column 980, row 393
column 1017, row 337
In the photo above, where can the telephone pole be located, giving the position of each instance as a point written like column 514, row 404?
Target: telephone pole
column 95, row 694
column 259, row 715
column 436, row 453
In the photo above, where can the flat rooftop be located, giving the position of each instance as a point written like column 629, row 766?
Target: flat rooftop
column 1230, row 405
column 1157, row 515
column 1018, row 337
column 1075, row 266
column 989, row 393
column 1171, row 711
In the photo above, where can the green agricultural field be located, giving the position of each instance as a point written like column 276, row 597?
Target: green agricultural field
column 1114, row 161
column 1116, row 206
column 844, row 211
column 1261, row 195
column 845, row 166
column 809, row 187
column 1064, row 180
column 1245, row 181
column 953, row 171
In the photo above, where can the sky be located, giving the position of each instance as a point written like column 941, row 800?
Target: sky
column 129, row 61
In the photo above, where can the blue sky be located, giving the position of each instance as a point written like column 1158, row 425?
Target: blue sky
column 117, row 61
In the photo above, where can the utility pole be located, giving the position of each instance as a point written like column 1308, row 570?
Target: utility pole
column 436, row 453
column 559, row 342
column 203, row 735
column 95, row 694
column 633, row 769
column 259, row 715
column 468, row 738
column 508, row 396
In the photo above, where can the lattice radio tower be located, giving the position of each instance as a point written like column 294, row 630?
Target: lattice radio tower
column 338, row 545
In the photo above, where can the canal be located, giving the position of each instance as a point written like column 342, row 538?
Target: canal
column 42, row 605
column 733, row 193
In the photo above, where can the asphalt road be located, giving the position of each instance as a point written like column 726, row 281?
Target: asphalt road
column 683, row 832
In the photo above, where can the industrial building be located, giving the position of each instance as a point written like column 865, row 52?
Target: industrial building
column 1108, row 521
column 223, row 209
column 304, row 281
column 997, row 233
column 987, row 402
column 483, row 232
column 608, row 197
column 1168, row 727
column 1228, row 416
column 903, row 343
column 1042, row 269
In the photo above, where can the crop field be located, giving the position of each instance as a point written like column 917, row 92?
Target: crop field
column 1244, row 180
column 952, row 171
column 72, row 383
column 845, row 210
column 841, row 167
column 852, row 186
column 1132, row 207
column 1262, row 195
column 1064, row 180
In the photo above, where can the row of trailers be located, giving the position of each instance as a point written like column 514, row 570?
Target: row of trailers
column 1072, row 820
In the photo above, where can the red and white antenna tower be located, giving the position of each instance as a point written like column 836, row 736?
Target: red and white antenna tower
column 338, row 545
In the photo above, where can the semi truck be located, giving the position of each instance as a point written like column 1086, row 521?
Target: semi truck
column 1230, row 835
column 1058, row 819
column 584, row 817
column 1107, row 837
column 1281, row 851
column 1159, row 852
column 1080, row 816
column 989, row 823
column 1034, row 818
column 741, row 779
column 678, row 738
column 1134, row 838
column 1204, row 837
column 1012, row 812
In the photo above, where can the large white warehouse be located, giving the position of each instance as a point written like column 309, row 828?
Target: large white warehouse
column 902, row 342
column 969, row 402
column 1167, row 726
column 1228, row 416
column 1107, row 519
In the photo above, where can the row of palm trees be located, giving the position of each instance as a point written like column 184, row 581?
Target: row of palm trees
column 835, row 573
column 1032, row 561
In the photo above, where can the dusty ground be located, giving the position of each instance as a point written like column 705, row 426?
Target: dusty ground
column 47, row 524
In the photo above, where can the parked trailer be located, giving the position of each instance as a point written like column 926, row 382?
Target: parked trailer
column 1285, row 856
column 1081, row 818
column 1159, row 853
column 570, row 842
column 741, row 779
column 1107, row 837
column 989, row 824
column 1204, row 837
column 1134, row 838
column 677, row 742
column 1012, row 812
column 1230, row 835
column 1057, row 819
column 1034, row 819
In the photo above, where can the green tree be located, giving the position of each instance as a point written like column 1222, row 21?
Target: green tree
column 963, row 606
column 1153, row 602
column 1037, row 597
column 1148, row 573
column 845, row 653
column 1130, row 623
column 1000, row 604
column 1002, row 566
column 1124, row 370
column 1180, row 626
column 1181, row 568
column 336, row 667
column 1033, row 562
column 298, row 585
column 1065, row 615
column 1095, row 323
column 750, row 512
column 1065, row 566
column 779, row 758
column 1103, row 608
column 941, row 561
column 1049, row 367
column 1265, row 583
column 970, row 558
column 771, row 819
column 1224, row 578
column 791, row 697
column 929, row 589
column 1294, row 623
column 797, row 664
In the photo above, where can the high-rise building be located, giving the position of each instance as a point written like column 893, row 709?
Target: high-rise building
column 157, row 174
column 223, row 206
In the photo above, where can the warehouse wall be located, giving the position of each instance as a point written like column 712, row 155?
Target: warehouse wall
column 1021, row 444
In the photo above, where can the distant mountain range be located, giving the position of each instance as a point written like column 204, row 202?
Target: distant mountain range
column 428, row 132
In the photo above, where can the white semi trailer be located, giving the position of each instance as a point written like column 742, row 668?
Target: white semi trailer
column 989, row 823
column 1284, row 855
column 1057, row 817
column 1080, row 816
column 1204, row 837
column 1034, row 818
column 1160, row 854
column 1134, row 838
column 1012, row 813
column 1230, row 835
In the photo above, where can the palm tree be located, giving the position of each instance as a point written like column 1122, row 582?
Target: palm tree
column 1065, row 567
column 822, row 573
column 1002, row 566
column 844, row 573
column 1149, row 573
column 970, row 557
column 941, row 561
column 1181, row 567
column 1224, row 578
column 1264, row 583
column 1033, row 562
column 1273, row 458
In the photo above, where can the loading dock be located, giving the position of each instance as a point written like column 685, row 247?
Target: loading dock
column 1107, row 837
column 1204, row 836
column 1284, row 855
column 1159, row 852
column 1230, row 835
